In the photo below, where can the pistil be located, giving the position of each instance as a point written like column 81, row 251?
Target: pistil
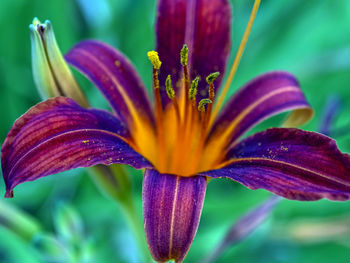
column 236, row 60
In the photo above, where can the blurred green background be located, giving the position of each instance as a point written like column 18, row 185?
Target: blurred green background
column 64, row 216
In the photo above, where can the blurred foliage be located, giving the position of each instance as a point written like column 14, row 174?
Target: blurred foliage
column 308, row 38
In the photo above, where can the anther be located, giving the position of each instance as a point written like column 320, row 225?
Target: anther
column 211, row 77
column 154, row 58
column 169, row 87
column 202, row 103
column 184, row 55
column 193, row 89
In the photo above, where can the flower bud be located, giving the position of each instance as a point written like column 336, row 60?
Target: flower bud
column 51, row 73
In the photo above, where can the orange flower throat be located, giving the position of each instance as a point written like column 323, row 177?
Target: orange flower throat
column 178, row 142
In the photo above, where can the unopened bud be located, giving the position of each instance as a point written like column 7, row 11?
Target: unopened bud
column 51, row 73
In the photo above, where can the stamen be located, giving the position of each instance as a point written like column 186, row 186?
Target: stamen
column 183, row 125
column 210, row 80
column 154, row 58
column 203, row 130
column 183, row 60
column 237, row 59
column 171, row 94
column 193, row 115
column 184, row 55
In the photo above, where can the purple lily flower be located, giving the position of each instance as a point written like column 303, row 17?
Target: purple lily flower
column 179, row 146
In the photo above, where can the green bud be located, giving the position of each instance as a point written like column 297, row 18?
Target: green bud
column 202, row 104
column 184, row 55
column 51, row 73
column 193, row 89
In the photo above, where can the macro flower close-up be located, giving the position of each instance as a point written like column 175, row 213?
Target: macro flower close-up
column 183, row 135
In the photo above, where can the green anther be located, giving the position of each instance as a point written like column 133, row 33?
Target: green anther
column 193, row 89
column 202, row 104
column 169, row 87
column 184, row 55
column 211, row 77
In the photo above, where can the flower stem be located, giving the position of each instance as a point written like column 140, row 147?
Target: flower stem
column 115, row 183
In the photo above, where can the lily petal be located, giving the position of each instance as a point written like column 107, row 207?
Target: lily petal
column 114, row 75
column 291, row 163
column 205, row 26
column 263, row 97
column 172, row 206
column 58, row 135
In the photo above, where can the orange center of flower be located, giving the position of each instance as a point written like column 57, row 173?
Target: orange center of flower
column 178, row 143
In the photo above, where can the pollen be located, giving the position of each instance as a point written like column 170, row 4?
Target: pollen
column 284, row 148
column 154, row 58
column 117, row 63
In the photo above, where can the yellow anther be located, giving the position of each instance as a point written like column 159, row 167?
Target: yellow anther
column 193, row 89
column 154, row 58
column 202, row 104
column 184, row 55
column 169, row 87
column 211, row 77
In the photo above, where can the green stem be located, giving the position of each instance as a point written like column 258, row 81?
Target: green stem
column 115, row 183
column 18, row 221
column 136, row 226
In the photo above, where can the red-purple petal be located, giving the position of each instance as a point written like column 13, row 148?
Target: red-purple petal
column 292, row 163
column 172, row 206
column 57, row 135
column 205, row 26
column 114, row 75
column 263, row 97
